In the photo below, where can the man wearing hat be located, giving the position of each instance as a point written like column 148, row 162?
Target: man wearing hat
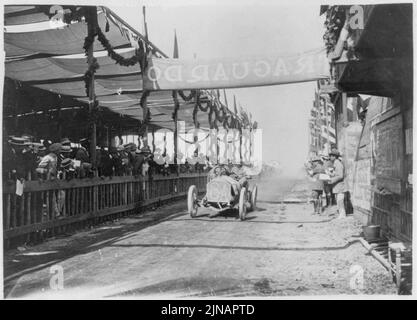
column 83, row 157
column 48, row 166
column 105, row 163
column 337, row 181
column 141, row 161
column 66, row 142
column 327, row 187
column 314, row 170
column 116, row 159
column 21, row 159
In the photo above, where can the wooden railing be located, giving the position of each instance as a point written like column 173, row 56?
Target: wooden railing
column 49, row 205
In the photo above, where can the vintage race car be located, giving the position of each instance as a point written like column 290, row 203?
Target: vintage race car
column 223, row 193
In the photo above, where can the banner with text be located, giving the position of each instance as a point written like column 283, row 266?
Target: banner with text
column 179, row 74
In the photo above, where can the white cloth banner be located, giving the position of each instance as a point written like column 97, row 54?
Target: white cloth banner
column 181, row 74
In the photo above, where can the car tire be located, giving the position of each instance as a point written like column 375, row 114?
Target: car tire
column 254, row 197
column 192, row 201
column 242, row 204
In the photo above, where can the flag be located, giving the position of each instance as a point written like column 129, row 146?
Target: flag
column 234, row 105
column 176, row 54
column 122, row 28
column 225, row 97
column 133, row 38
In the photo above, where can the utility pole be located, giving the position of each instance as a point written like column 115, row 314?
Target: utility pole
column 327, row 123
column 92, row 28
column 145, row 109
column 176, row 108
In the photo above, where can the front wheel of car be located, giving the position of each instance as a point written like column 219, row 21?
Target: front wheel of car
column 242, row 204
column 192, row 201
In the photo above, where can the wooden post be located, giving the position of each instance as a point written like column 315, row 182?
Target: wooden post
column 319, row 120
column 327, row 123
column 92, row 25
column 344, row 107
column 250, row 143
column 145, row 112
column 153, row 140
column 145, row 94
column 176, row 107
column 240, row 143
column 175, row 118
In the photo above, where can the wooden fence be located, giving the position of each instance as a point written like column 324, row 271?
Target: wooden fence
column 52, row 205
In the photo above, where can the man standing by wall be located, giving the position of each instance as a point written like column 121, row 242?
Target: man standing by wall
column 338, row 182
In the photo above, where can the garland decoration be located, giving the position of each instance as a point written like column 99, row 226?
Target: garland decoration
column 176, row 105
column 192, row 94
column 192, row 142
column 204, row 109
column 195, row 110
column 212, row 120
column 217, row 112
column 335, row 19
column 93, row 116
column 89, row 74
column 88, row 41
column 126, row 62
column 142, row 102
column 200, row 106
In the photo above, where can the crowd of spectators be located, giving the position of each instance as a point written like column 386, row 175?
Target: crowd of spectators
column 26, row 159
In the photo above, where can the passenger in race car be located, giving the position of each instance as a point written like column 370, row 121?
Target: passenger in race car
column 232, row 174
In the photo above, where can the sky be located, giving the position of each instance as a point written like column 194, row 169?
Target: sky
column 228, row 28
column 216, row 31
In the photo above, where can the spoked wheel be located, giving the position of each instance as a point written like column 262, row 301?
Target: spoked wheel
column 254, row 196
column 242, row 204
column 192, row 201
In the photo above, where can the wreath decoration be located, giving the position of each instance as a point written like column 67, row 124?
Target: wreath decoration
column 138, row 57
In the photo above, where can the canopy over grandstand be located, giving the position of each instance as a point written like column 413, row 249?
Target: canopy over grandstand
column 47, row 71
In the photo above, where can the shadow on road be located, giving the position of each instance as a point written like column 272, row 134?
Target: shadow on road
column 17, row 264
column 206, row 246
column 249, row 220
column 206, row 287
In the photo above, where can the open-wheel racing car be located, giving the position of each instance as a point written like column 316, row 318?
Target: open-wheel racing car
column 224, row 191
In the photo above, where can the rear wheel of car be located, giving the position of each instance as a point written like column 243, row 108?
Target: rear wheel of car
column 192, row 201
column 254, row 196
column 242, row 204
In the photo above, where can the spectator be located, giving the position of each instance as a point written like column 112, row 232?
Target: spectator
column 66, row 152
column 20, row 158
column 48, row 166
column 120, row 161
column 116, row 161
column 83, row 157
column 142, row 159
column 66, row 172
column 338, row 182
column 327, row 187
column 106, row 164
column 67, row 169
column 315, row 169
column 66, row 142
column 130, row 149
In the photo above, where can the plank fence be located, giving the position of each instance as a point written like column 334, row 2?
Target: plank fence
column 48, row 208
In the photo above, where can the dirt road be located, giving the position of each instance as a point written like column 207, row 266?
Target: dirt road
column 280, row 250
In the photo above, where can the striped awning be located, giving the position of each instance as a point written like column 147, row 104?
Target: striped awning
column 51, row 58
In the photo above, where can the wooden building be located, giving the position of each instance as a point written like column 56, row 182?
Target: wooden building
column 372, row 65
